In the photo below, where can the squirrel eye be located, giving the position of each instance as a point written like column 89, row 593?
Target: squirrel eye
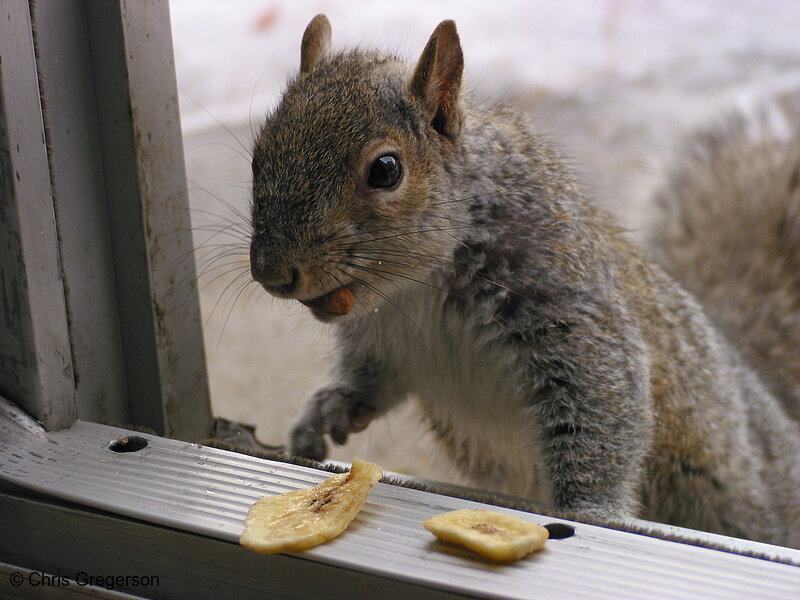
column 385, row 172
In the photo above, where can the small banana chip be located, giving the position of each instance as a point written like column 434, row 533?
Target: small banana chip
column 304, row 518
column 494, row 535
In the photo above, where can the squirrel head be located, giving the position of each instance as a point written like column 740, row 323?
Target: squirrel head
column 351, row 200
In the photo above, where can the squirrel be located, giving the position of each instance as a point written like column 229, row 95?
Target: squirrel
column 459, row 262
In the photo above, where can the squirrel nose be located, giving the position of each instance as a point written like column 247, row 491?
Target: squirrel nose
column 282, row 284
column 277, row 278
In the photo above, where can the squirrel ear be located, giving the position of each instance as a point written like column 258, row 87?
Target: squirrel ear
column 316, row 43
column 437, row 78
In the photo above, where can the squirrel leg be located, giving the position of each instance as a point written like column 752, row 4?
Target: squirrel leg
column 595, row 468
column 595, row 425
column 361, row 393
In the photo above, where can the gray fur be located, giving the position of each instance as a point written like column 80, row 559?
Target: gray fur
column 552, row 357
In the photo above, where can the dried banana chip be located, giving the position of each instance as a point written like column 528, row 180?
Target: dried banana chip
column 298, row 520
column 494, row 535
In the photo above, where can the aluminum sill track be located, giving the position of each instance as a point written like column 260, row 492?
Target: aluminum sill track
column 208, row 491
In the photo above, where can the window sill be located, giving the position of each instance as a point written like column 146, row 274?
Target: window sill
column 176, row 510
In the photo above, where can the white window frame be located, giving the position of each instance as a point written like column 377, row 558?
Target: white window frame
column 105, row 290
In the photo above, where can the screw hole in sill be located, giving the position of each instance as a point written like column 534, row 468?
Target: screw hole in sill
column 131, row 443
column 559, row 531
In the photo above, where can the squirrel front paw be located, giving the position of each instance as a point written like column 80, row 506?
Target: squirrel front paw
column 334, row 411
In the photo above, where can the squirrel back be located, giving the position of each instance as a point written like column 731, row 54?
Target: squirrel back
column 731, row 235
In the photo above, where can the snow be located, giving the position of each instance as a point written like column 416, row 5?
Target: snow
column 226, row 61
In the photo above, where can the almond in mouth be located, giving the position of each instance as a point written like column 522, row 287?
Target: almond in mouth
column 337, row 303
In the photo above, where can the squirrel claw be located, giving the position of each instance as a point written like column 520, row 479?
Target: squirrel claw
column 333, row 411
column 308, row 443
